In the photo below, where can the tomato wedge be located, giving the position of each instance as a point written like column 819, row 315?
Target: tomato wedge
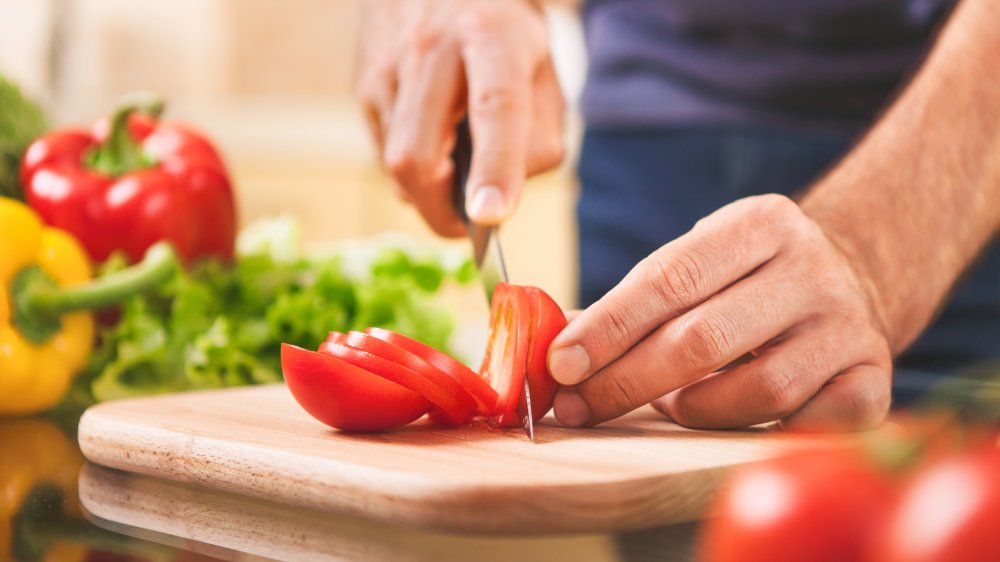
column 547, row 321
column 346, row 397
column 449, row 399
column 507, row 351
column 481, row 391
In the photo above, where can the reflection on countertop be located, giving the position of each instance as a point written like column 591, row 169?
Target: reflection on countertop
column 235, row 527
column 54, row 507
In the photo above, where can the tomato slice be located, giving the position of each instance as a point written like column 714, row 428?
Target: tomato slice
column 346, row 397
column 507, row 351
column 414, row 362
column 481, row 391
column 454, row 404
column 547, row 321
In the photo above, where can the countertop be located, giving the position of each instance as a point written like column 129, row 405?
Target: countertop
column 55, row 506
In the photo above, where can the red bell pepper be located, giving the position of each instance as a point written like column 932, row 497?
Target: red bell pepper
column 131, row 182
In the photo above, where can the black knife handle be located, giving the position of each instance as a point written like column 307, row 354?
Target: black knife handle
column 461, row 159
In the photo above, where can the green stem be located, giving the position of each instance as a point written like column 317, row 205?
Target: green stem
column 119, row 153
column 157, row 266
column 39, row 302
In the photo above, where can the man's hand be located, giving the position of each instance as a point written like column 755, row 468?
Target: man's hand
column 424, row 64
column 758, row 287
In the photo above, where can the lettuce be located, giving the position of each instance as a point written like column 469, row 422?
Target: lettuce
column 220, row 325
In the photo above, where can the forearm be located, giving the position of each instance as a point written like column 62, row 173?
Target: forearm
column 919, row 197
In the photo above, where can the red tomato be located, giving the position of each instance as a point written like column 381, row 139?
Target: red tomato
column 454, row 404
column 523, row 322
column 484, row 395
column 507, row 351
column 950, row 512
column 820, row 506
column 548, row 321
column 346, row 397
column 396, row 354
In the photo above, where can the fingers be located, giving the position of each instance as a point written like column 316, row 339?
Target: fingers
column 769, row 387
column 546, row 146
column 856, row 400
column 726, row 327
column 717, row 252
column 418, row 143
column 500, row 111
column 377, row 92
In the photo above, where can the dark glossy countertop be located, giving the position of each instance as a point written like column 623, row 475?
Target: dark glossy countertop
column 58, row 507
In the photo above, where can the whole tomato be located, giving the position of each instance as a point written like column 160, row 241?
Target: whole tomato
column 950, row 512
column 816, row 506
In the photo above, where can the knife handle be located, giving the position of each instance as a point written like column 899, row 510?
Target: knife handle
column 461, row 159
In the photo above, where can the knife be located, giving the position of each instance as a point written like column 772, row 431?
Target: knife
column 486, row 251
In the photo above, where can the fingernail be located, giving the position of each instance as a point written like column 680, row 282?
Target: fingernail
column 486, row 205
column 571, row 410
column 569, row 365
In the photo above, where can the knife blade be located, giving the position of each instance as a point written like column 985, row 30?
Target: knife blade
column 486, row 251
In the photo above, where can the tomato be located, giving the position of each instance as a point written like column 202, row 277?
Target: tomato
column 950, row 512
column 820, row 506
column 507, row 351
column 548, row 321
column 415, row 363
column 346, row 397
column 454, row 404
column 523, row 322
column 482, row 393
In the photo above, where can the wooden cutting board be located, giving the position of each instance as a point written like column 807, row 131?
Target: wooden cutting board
column 635, row 472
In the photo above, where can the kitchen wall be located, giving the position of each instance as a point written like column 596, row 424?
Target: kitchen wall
column 271, row 81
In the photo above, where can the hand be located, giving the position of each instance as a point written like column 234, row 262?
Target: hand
column 757, row 286
column 424, row 63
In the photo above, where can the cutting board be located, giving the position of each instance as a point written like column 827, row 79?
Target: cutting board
column 635, row 472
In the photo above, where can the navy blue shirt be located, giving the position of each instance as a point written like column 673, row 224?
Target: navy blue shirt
column 828, row 63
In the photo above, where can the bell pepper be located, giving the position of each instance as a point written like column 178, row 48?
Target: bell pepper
column 130, row 182
column 45, row 333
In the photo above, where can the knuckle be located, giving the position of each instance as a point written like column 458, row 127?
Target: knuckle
column 550, row 154
column 399, row 160
column 426, row 39
column 707, row 340
column 678, row 281
column 624, row 394
column 621, row 336
column 681, row 411
column 780, row 214
column 866, row 406
column 775, row 394
column 494, row 100
column 482, row 20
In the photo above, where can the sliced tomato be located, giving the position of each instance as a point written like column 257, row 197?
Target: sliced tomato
column 481, row 391
column 547, row 321
column 414, row 362
column 454, row 404
column 507, row 351
column 346, row 397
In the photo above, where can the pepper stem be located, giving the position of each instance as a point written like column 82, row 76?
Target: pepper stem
column 119, row 153
column 39, row 303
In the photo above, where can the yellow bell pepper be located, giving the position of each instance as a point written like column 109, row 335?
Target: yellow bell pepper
column 34, row 377
column 45, row 291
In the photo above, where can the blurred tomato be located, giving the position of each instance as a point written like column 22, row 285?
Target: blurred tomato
column 815, row 506
column 949, row 513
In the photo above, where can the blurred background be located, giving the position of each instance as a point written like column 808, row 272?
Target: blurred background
column 272, row 82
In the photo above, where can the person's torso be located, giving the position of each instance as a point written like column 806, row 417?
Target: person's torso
column 831, row 63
